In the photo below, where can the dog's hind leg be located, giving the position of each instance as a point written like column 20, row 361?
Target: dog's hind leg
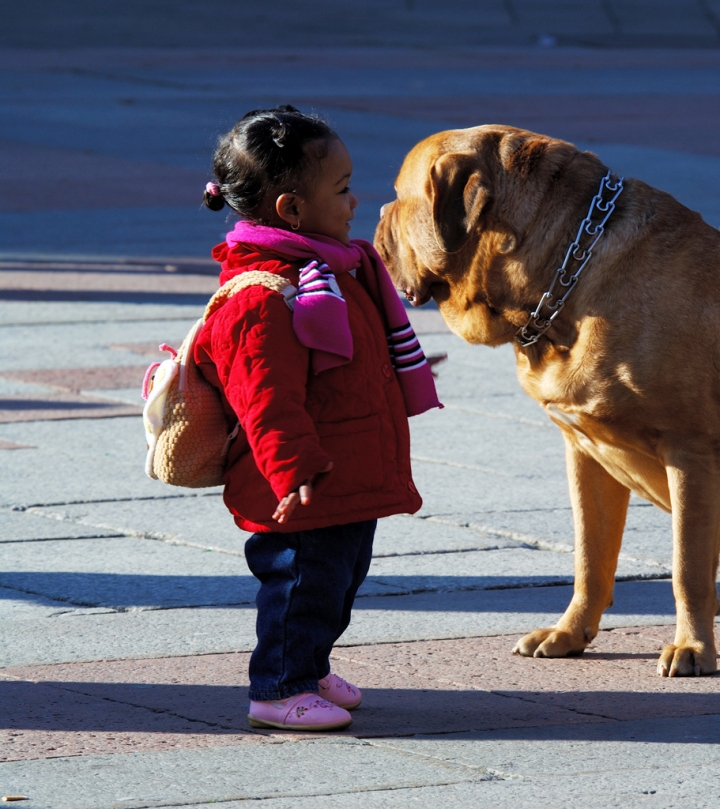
column 599, row 509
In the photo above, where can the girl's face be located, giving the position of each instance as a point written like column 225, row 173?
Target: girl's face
column 327, row 206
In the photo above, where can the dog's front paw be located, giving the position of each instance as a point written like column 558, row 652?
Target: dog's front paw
column 550, row 643
column 687, row 661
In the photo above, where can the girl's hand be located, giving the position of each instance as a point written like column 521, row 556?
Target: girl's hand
column 303, row 496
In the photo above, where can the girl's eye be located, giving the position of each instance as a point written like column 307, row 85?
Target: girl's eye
column 346, row 190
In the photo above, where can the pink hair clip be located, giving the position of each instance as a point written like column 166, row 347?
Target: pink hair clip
column 213, row 189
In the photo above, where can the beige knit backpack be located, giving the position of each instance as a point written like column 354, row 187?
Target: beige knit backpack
column 187, row 432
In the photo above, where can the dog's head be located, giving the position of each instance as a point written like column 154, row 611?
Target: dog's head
column 468, row 226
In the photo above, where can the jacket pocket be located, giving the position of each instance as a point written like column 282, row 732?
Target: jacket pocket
column 355, row 448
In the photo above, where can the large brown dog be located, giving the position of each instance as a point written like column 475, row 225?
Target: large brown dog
column 629, row 367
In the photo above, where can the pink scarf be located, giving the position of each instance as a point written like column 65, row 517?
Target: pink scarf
column 320, row 315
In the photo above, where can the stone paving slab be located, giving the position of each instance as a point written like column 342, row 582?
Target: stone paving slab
column 481, row 382
column 480, row 570
column 28, row 637
column 17, row 607
column 9, row 387
column 84, row 345
column 46, row 315
column 403, row 535
column 131, row 573
column 651, row 736
column 23, row 527
column 522, row 452
column 465, row 490
column 36, row 630
column 624, row 774
column 134, row 573
column 201, row 521
column 652, row 762
column 184, row 777
column 90, row 459
column 205, row 522
column 640, row 784
column 126, row 572
column 647, row 536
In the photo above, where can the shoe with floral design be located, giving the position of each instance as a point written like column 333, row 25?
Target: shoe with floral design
column 339, row 692
column 301, row 712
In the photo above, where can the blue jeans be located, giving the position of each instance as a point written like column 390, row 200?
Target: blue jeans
column 308, row 582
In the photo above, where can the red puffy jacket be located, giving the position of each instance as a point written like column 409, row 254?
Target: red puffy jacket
column 294, row 421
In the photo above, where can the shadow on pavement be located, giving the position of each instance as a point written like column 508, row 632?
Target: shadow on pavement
column 160, row 708
column 105, row 296
column 126, row 591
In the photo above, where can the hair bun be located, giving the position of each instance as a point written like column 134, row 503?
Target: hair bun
column 213, row 198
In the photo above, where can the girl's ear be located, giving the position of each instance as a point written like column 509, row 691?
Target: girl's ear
column 287, row 209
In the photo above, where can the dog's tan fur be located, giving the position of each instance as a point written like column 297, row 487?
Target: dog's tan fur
column 630, row 370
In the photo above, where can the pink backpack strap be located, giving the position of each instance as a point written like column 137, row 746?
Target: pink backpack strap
column 152, row 368
column 146, row 379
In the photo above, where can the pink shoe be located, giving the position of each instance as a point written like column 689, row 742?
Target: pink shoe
column 301, row 712
column 334, row 689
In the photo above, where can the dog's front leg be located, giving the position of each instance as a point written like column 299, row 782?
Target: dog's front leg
column 695, row 498
column 599, row 509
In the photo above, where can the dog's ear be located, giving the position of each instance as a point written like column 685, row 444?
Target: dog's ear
column 458, row 198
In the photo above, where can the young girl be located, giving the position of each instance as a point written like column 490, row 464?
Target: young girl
column 322, row 391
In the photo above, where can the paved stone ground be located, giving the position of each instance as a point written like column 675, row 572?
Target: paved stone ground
column 126, row 608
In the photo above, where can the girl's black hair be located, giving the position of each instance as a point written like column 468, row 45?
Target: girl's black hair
column 265, row 152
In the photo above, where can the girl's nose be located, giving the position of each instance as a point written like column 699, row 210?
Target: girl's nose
column 353, row 201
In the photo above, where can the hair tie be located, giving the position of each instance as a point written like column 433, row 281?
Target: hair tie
column 213, row 189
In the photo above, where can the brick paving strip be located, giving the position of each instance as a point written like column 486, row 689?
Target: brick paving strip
column 66, row 400
column 75, row 380
column 431, row 687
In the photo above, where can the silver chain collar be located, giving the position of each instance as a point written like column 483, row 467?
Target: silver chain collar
column 601, row 207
